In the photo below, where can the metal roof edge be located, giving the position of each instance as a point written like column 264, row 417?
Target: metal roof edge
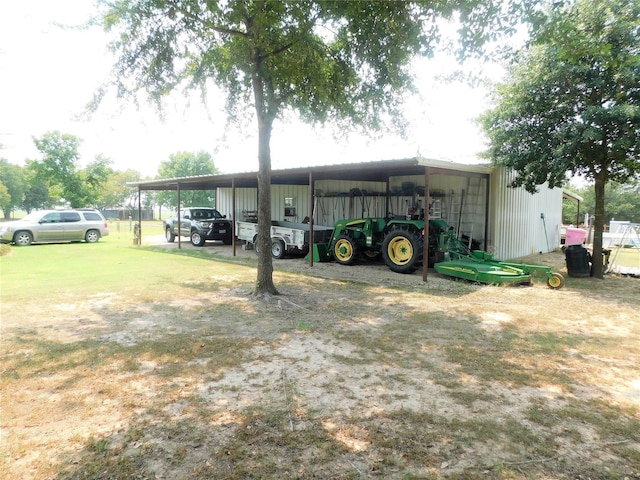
column 450, row 165
column 568, row 193
column 375, row 164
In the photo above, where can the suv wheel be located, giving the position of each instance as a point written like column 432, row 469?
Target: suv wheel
column 92, row 236
column 22, row 239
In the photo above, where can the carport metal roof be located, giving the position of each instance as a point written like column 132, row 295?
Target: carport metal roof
column 377, row 171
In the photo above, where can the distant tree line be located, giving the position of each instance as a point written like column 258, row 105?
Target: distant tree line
column 622, row 203
column 56, row 180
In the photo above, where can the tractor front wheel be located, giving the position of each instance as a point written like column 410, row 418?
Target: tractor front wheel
column 402, row 250
column 555, row 281
column 345, row 250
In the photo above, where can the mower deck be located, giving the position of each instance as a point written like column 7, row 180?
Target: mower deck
column 480, row 266
column 483, row 272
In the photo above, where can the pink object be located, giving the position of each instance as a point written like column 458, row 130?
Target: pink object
column 575, row 236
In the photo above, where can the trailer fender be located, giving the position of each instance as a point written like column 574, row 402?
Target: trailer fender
column 285, row 238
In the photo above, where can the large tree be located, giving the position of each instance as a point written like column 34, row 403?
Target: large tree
column 344, row 61
column 58, row 170
column 15, row 183
column 57, row 167
column 93, row 179
column 184, row 164
column 571, row 104
column 37, row 195
column 116, row 193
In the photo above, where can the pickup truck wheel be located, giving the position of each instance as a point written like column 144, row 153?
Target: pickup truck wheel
column 277, row 248
column 197, row 239
column 402, row 250
column 168, row 234
column 345, row 250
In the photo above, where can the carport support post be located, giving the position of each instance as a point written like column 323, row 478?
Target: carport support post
column 178, row 217
column 139, row 216
column 387, row 201
column 233, row 214
column 427, row 202
column 487, row 199
column 311, row 207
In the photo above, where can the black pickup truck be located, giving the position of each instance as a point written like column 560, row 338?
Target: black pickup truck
column 200, row 224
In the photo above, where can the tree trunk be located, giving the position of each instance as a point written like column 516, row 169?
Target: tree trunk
column 264, row 281
column 597, row 268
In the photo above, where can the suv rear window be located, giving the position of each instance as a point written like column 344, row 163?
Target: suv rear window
column 92, row 216
column 69, row 217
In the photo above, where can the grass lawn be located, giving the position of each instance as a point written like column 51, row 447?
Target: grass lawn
column 125, row 362
column 626, row 257
column 68, row 269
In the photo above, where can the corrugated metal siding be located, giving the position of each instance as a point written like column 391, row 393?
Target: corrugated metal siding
column 340, row 199
column 516, row 228
column 300, row 194
column 247, row 200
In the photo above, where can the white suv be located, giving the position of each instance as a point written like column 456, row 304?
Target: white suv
column 52, row 226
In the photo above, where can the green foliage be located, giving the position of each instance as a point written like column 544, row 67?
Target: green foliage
column 185, row 164
column 94, row 178
column 116, row 193
column 5, row 198
column 327, row 60
column 572, row 104
column 622, row 202
column 13, row 179
column 56, row 178
column 37, row 195
column 58, row 170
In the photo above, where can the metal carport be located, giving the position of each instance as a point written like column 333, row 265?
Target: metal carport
column 377, row 171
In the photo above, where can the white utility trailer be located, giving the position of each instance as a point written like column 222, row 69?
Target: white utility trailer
column 286, row 237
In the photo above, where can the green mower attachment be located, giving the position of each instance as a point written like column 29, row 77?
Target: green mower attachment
column 480, row 266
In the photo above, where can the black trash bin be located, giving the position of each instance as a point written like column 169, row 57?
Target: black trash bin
column 577, row 258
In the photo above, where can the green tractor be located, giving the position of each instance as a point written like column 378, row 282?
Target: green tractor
column 400, row 243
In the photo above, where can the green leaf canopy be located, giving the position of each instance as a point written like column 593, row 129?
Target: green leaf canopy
column 571, row 104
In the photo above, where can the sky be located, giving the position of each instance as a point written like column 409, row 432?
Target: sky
column 49, row 74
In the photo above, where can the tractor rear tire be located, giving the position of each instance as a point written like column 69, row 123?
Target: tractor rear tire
column 345, row 250
column 402, row 250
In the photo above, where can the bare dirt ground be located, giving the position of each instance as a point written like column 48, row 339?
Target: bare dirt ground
column 353, row 372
